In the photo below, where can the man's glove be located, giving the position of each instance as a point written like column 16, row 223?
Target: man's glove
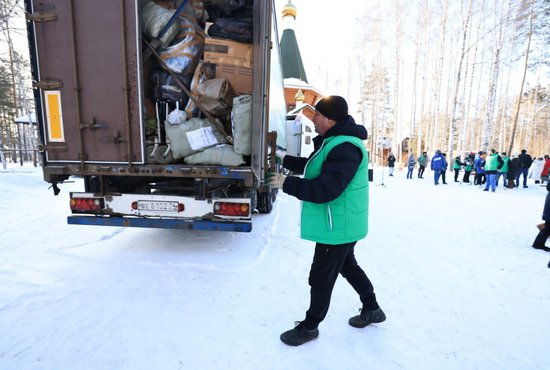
column 275, row 180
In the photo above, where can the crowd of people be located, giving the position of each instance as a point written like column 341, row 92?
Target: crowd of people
column 486, row 168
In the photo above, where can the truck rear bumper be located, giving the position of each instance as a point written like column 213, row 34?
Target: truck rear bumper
column 161, row 223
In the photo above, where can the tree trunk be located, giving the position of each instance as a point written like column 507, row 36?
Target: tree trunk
column 454, row 117
column 525, row 67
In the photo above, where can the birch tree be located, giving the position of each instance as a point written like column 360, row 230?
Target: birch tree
column 454, row 115
column 531, row 15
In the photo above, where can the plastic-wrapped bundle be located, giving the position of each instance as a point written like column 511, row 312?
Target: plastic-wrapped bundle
column 166, row 88
column 216, row 96
column 183, row 55
column 154, row 18
column 233, row 29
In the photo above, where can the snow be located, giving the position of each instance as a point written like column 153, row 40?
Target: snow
column 452, row 267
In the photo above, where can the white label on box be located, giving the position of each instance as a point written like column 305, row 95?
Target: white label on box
column 201, row 138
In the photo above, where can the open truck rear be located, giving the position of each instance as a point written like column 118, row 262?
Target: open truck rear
column 102, row 118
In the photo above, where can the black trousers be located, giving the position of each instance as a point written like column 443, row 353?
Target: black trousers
column 421, row 171
column 466, row 176
column 328, row 262
column 543, row 235
column 479, row 179
column 457, row 171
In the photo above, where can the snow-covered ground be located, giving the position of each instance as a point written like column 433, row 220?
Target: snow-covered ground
column 452, row 267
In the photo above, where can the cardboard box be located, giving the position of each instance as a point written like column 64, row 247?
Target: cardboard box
column 228, row 52
column 241, row 78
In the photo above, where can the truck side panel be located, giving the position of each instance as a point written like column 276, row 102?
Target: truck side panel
column 89, row 81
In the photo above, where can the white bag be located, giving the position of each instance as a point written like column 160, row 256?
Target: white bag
column 221, row 155
column 192, row 136
column 176, row 116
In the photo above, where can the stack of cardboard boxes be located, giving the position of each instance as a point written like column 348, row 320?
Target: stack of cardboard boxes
column 232, row 60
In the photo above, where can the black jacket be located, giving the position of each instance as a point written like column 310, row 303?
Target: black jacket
column 337, row 172
column 546, row 210
column 525, row 160
column 513, row 166
column 391, row 161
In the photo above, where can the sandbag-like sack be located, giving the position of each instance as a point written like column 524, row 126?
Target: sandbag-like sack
column 241, row 123
column 221, row 155
column 192, row 136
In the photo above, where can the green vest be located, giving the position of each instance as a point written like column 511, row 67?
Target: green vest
column 504, row 168
column 345, row 219
column 456, row 166
column 491, row 162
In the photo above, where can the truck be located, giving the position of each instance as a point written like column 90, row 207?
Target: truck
column 92, row 64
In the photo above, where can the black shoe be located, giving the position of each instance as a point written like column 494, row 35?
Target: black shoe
column 299, row 335
column 544, row 248
column 367, row 317
column 485, row 189
column 525, row 186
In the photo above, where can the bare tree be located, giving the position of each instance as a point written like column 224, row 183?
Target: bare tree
column 454, row 113
column 525, row 68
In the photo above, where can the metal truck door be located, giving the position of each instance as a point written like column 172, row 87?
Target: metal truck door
column 87, row 71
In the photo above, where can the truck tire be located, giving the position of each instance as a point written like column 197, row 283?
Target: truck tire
column 265, row 200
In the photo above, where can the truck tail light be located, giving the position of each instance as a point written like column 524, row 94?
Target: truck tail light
column 231, row 209
column 86, row 205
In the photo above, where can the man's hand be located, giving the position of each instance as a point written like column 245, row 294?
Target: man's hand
column 275, row 180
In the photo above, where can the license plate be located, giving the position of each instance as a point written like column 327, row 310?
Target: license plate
column 160, row 206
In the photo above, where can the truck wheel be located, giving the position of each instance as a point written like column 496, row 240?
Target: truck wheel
column 265, row 200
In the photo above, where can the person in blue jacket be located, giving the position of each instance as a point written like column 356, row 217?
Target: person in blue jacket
column 438, row 165
column 479, row 166
column 545, row 231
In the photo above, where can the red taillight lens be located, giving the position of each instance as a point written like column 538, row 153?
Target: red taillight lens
column 232, row 209
column 86, row 204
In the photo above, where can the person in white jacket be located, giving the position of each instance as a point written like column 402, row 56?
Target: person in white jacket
column 536, row 169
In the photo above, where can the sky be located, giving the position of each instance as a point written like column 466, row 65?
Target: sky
column 324, row 33
column 452, row 267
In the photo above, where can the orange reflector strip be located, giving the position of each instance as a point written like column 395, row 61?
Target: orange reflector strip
column 54, row 116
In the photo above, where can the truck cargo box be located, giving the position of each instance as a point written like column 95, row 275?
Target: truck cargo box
column 97, row 107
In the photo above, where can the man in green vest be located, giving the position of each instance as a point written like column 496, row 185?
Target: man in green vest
column 504, row 169
column 335, row 197
column 493, row 163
